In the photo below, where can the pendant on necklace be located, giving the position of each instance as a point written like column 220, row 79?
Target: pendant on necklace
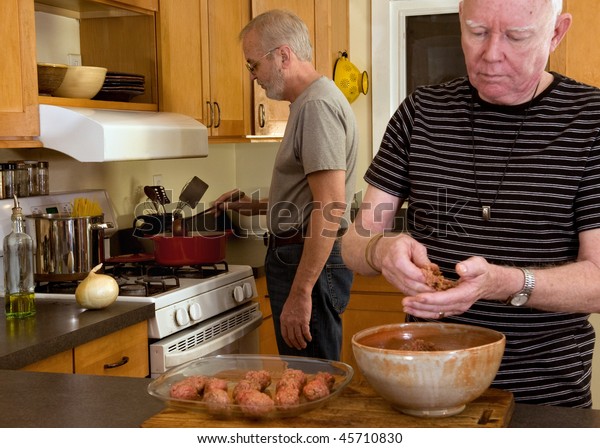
column 486, row 212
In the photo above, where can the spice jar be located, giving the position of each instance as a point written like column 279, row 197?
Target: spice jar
column 8, row 179
column 21, row 179
column 32, row 177
column 43, row 178
column 1, row 181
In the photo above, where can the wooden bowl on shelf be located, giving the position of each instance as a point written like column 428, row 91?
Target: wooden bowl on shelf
column 50, row 77
column 81, row 81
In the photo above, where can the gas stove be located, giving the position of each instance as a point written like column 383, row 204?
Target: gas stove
column 183, row 297
column 192, row 301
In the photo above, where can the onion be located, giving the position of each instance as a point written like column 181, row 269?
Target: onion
column 97, row 290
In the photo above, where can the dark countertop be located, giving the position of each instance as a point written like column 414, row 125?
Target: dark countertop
column 29, row 399
column 61, row 325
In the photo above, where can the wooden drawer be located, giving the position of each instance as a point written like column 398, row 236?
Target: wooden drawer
column 122, row 353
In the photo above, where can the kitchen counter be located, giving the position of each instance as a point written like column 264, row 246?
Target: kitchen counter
column 29, row 399
column 61, row 325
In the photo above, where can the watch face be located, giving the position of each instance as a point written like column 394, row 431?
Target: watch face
column 519, row 299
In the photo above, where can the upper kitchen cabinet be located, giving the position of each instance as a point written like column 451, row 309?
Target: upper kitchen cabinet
column 202, row 68
column 577, row 56
column 327, row 22
column 19, row 117
column 119, row 35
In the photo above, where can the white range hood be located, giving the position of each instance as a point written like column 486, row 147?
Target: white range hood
column 99, row 135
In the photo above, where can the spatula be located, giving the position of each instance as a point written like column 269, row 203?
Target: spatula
column 157, row 194
column 192, row 193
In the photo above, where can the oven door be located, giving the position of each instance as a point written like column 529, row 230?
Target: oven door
column 235, row 331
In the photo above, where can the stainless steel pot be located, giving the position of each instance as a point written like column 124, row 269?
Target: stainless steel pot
column 66, row 248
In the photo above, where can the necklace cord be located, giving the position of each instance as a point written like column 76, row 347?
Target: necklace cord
column 472, row 120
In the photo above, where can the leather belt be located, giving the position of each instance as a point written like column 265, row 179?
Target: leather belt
column 294, row 236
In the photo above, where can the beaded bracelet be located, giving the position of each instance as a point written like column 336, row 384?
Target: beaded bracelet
column 372, row 242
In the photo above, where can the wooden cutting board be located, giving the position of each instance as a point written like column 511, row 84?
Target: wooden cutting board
column 358, row 406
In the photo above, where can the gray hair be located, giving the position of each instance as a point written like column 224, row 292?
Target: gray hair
column 280, row 27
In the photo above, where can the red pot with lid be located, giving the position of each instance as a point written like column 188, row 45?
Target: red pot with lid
column 193, row 249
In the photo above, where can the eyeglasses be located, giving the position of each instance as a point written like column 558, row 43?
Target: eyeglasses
column 252, row 67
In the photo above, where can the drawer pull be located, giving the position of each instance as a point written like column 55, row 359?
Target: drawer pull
column 120, row 363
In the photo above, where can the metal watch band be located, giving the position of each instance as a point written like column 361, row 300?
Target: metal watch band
column 522, row 297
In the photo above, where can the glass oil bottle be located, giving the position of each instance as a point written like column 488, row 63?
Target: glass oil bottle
column 19, row 283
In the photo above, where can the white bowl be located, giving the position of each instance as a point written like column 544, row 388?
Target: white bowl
column 81, row 82
column 459, row 365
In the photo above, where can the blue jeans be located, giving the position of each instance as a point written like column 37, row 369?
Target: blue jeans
column 330, row 296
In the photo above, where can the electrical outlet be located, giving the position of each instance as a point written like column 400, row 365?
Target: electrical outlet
column 74, row 59
column 157, row 179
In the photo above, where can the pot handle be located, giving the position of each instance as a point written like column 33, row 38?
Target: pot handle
column 102, row 225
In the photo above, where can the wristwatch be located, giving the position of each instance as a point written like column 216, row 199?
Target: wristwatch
column 522, row 297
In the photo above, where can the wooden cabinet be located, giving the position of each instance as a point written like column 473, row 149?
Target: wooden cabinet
column 117, row 34
column 202, row 64
column 373, row 301
column 19, row 116
column 268, row 344
column 328, row 23
column 122, row 353
column 577, row 56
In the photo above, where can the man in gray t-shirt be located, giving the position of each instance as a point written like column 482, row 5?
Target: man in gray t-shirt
column 311, row 188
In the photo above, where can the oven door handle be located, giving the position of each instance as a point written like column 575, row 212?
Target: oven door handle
column 160, row 360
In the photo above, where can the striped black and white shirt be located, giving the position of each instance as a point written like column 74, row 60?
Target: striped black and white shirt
column 447, row 152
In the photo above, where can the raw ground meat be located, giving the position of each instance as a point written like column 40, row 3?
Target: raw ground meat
column 319, row 387
column 435, row 279
column 217, row 400
column 189, row 388
column 417, row 345
column 254, row 403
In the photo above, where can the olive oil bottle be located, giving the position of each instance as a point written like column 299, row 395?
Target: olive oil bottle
column 18, row 269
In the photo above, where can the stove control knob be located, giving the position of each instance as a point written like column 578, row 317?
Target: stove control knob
column 248, row 293
column 195, row 311
column 238, row 294
column 181, row 317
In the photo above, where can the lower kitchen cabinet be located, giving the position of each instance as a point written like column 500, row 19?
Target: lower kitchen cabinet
column 122, row 353
column 268, row 344
column 373, row 301
column 60, row 363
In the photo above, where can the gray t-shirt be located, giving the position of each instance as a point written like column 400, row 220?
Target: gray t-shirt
column 321, row 134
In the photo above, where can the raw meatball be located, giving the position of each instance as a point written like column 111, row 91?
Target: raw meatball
column 292, row 378
column 286, row 397
column 314, row 390
column 213, row 383
column 217, row 401
column 254, row 403
column 190, row 388
column 261, row 378
column 319, row 387
column 241, row 387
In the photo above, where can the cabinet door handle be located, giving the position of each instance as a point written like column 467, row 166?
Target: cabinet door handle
column 211, row 115
column 261, row 115
column 120, row 363
column 218, row 122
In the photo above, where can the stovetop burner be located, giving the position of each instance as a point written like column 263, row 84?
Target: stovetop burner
column 142, row 279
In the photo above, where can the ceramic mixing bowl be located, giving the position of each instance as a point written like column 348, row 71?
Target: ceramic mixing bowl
column 81, row 81
column 429, row 369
